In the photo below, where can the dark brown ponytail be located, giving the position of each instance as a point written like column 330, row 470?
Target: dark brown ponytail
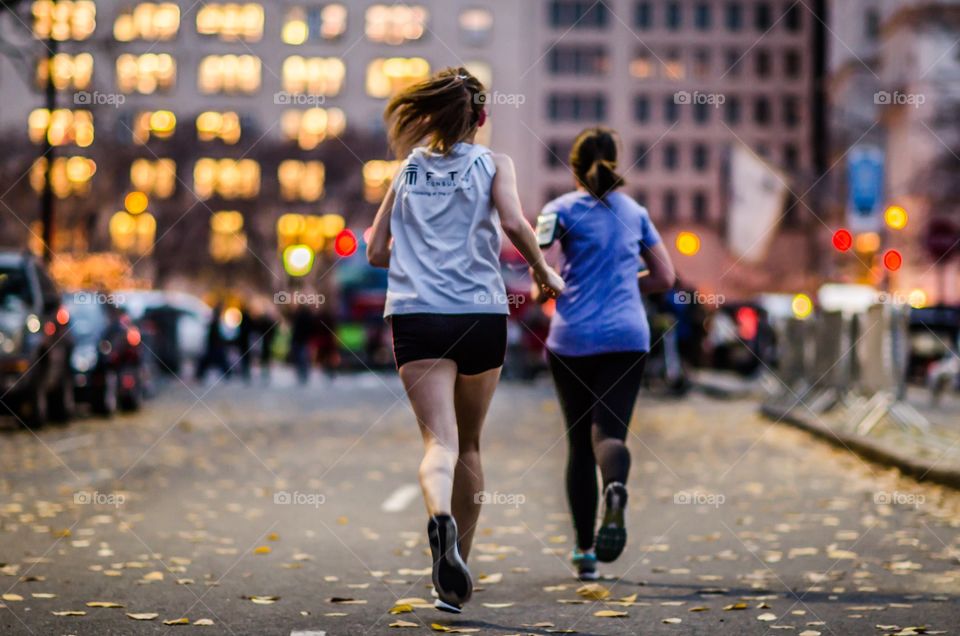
column 594, row 161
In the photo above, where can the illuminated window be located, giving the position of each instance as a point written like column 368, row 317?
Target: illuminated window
column 314, row 75
column 148, row 21
column 70, row 176
column 386, row 76
column 324, row 22
column 476, row 25
column 68, row 71
column 212, row 125
column 158, row 124
column 64, row 127
column 64, row 20
column 377, row 176
column 301, row 180
column 229, row 74
column 673, row 67
column 156, row 178
column 226, row 178
column 310, row 127
column 641, row 66
column 231, row 22
column 396, row 23
column 146, row 73
column 228, row 241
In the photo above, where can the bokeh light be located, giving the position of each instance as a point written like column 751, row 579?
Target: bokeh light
column 802, row 306
column 345, row 243
column 842, row 239
column 895, row 217
column 298, row 260
column 135, row 202
column 688, row 243
column 892, row 260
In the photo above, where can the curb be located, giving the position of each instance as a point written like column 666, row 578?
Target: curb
column 867, row 449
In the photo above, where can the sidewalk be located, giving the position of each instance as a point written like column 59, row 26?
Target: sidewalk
column 932, row 454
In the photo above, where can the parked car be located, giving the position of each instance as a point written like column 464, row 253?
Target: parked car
column 35, row 343
column 175, row 322
column 108, row 361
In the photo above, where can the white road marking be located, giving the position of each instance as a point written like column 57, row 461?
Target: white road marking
column 400, row 498
column 72, row 443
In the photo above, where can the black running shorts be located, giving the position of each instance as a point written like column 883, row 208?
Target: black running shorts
column 476, row 342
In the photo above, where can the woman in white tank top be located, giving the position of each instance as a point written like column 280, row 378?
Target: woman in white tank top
column 438, row 232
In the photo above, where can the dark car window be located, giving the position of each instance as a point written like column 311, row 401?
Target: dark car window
column 14, row 290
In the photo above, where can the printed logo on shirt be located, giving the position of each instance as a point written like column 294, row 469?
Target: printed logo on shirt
column 440, row 181
column 410, row 174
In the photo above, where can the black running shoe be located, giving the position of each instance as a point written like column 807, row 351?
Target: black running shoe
column 451, row 578
column 612, row 535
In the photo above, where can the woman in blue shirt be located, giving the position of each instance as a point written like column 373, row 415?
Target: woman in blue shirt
column 599, row 335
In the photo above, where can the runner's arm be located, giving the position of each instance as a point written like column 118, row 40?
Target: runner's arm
column 378, row 249
column 516, row 227
column 662, row 275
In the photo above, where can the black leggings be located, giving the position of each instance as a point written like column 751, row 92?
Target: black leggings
column 597, row 394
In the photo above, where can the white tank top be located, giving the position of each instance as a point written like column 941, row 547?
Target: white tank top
column 445, row 257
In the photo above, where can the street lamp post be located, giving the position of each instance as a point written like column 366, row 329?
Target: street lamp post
column 46, row 197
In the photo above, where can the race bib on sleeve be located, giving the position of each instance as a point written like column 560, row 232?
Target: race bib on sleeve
column 546, row 229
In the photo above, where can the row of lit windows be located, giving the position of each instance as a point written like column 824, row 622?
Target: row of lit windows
column 226, row 178
column 231, row 22
column 241, row 74
column 306, row 127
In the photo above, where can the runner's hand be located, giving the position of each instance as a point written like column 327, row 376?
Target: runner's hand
column 549, row 281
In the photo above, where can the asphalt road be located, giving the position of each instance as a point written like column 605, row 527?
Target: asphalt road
column 251, row 508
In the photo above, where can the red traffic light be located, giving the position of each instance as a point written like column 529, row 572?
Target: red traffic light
column 842, row 240
column 345, row 244
column 892, row 260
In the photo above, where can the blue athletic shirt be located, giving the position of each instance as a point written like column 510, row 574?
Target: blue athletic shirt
column 600, row 311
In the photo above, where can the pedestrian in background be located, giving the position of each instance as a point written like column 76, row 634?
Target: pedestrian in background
column 446, row 297
column 599, row 335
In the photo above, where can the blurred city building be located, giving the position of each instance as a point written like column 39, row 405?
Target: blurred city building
column 894, row 86
column 248, row 111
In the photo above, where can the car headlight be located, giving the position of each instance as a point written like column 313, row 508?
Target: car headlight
column 84, row 358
